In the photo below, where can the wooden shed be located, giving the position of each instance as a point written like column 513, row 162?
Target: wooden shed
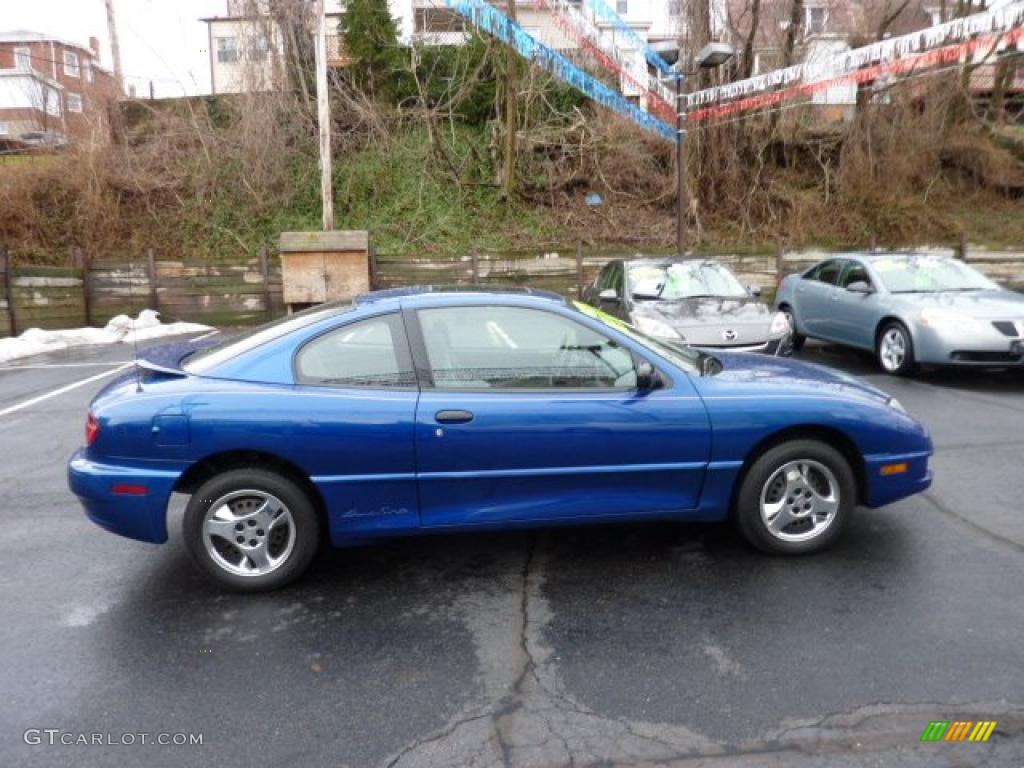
column 324, row 266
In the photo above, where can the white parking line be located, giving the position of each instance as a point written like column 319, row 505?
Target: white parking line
column 60, row 391
column 58, row 365
column 204, row 336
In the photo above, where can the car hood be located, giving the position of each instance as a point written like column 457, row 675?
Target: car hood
column 749, row 368
column 989, row 305
column 702, row 321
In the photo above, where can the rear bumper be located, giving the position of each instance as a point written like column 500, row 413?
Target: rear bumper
column 887, row 482
column 141, row 516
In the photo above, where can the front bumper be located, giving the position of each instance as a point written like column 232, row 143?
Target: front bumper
column 886, row 485
column 781, row 346
column 141, row 516
column 977, row 346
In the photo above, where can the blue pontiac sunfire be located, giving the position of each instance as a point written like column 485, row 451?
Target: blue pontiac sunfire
column 425, row 410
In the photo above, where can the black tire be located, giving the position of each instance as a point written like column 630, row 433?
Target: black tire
column 797, row 339
column 249, row 486
column 765, row 468
column 908, row 365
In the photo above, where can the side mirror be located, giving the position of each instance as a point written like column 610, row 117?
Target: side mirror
column 754, row 291
column 859, row 286
column 608, row 294
column 646, row 377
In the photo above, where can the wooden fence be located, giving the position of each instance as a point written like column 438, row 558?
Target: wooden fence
column 90, row 292
column 248, row 291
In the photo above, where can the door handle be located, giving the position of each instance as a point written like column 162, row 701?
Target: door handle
column 453, row 417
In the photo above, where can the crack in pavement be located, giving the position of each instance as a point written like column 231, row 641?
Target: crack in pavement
column 527, row 719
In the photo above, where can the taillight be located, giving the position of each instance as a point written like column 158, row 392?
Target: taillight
column 92, row 429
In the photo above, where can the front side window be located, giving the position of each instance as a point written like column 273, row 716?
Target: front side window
column 227, row 50
column 369, row 353
column 71, row 66
column 74, row 102
column 855, row 273
column 23, row 59
column 520, row 348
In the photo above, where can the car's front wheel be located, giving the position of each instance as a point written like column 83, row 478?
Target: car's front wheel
column 895, row 350
column 796, row 339
column 796, row 498
column 251, row 530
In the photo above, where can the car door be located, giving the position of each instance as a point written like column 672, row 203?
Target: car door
column 855, row 314
column 814, row 298
column 353, row 422
column 533, row 415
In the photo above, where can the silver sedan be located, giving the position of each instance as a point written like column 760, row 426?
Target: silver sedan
column 909, row 309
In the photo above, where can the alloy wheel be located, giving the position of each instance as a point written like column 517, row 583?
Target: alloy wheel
column 800, row 500
column 892, row 349
column 249, row 533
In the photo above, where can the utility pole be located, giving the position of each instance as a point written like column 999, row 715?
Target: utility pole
column 324, row 117
column 115, row 46
column 682, row 193
column 508, row 183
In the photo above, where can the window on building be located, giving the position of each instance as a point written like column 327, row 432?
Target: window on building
column 622, row 7
column 87, row 70
column 815, row 19
column 4, row 129
column 673, row 8
column 72, row 68
column 74, row 102
column 260, row 48
column 227, row 50
column 48, row 100
column 23, row 59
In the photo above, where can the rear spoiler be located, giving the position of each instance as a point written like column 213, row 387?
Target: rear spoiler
column 168, row 359
column 149, row 365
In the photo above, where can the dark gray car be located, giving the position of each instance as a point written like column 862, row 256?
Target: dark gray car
column 696, row 301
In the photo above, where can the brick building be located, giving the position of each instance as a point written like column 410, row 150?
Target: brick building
column 52, row 91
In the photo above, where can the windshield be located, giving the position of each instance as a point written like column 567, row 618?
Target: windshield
column 929, row 274
column 686, row 357
column 205, row 359
column 684, row 280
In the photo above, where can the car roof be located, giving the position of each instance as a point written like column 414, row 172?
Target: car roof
column 437, row 294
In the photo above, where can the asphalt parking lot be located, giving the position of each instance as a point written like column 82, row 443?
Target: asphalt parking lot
column 626, row 645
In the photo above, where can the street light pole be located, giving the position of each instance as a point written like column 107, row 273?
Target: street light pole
column 682, row 196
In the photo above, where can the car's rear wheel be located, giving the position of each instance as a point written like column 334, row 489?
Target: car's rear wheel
column 797, row 340
column 796, row 498
column 251, row 530
column 895, row 350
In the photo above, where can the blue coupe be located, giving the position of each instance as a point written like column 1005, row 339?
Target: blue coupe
column 423, row 410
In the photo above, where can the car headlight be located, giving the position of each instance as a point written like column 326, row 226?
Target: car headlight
column 780, row 325
column 657, row 328
column 894, row 403
column 944, row 319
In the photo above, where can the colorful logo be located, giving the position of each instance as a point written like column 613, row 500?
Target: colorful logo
column 958, row 730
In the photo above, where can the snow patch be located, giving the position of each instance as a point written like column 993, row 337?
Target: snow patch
column 121, row 329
